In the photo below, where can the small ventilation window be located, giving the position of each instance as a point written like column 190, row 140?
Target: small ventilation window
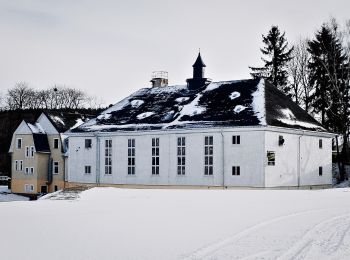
column 236, row 139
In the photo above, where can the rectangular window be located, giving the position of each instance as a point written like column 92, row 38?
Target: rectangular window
column 87, row 169
column 320, row 171
column 28, row 187
column 208, row 155
column 236, row 139
column 31, row 172
column 32, row 151
column 16, row 165
column 155, row 156
column 27, row 151
column 19, row 143
column 55, row 143
column 320, row 143
column 236, row 170
column 21, row 165
column 88, row 143
column 55, row 167
column 131, row 156
column 26, row 170
column 108, row 156
column 271, row 158
column 181, row 155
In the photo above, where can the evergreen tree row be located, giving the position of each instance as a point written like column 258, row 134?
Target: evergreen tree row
column 315, row 73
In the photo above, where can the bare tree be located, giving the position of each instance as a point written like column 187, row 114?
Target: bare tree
column 299, row 75
column 94, row 102
column 19, row 97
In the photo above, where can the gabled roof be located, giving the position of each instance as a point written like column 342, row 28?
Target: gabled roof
column 252, row 102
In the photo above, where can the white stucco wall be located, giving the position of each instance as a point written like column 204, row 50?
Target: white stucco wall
column 248, row 155
column 298, row 158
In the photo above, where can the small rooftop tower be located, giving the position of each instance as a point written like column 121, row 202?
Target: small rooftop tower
column 159, row 79
column 198, row 79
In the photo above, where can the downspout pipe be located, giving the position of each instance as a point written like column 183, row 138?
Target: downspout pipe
column 223, row 158
column 299, row 157
column 97, row 160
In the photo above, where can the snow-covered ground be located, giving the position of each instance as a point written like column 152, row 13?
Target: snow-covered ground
column 6, row 195
column 111, row 223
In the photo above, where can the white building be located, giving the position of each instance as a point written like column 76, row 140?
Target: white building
column 214, row 134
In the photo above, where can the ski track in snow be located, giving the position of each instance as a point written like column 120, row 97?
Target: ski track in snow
column 324, row 238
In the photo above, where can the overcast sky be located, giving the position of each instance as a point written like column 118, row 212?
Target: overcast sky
column 110, row 48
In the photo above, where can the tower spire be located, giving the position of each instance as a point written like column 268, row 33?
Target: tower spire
column 198, row 79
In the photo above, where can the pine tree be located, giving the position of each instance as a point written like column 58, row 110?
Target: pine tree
column 277, row 57
column 326, row 73
column 329, row 73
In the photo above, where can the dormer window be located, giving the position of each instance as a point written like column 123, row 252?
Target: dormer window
column 88, row 143
column 19, row 143
column 55, row 143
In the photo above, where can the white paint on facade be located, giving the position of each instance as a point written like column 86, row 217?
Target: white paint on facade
column 250, row 155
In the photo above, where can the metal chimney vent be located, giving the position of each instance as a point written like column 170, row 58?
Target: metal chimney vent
column 159, row 79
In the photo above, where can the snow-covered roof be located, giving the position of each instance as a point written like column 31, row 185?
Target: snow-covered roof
column 252, row 102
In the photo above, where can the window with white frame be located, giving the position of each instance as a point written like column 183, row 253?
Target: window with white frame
column 55, row 167
column 320, row 143
column 155, row 156
column 208, row 155
column 236, row 139
column 27, row 151
column 16, row 165
column 20, row 165
column 87, row 169
column 26, row 170
column 32, row 150
column 271, row 158
column 28, row 187
column 236, row 170
column 181, row 155
column 320, row 171
column 108, row 156
column 31, row 171
column 19, row 143
column 131, row 156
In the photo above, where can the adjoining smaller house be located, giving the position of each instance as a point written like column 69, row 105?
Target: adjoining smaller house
column 38, row 154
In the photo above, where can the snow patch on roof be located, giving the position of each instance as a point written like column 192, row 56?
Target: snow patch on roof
column 235, row 95
column 123, row 103
column 212, row 86
column 79, row 122
column 58, row 120
column 104, row 116
column 167, row 89
column 239, row 108
column 259, row 102
column 287, row 113
column 136, row 103
column 300, row 123
column 36, row 129
column 182, row 99
column 144, row 115
column 192, row 108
